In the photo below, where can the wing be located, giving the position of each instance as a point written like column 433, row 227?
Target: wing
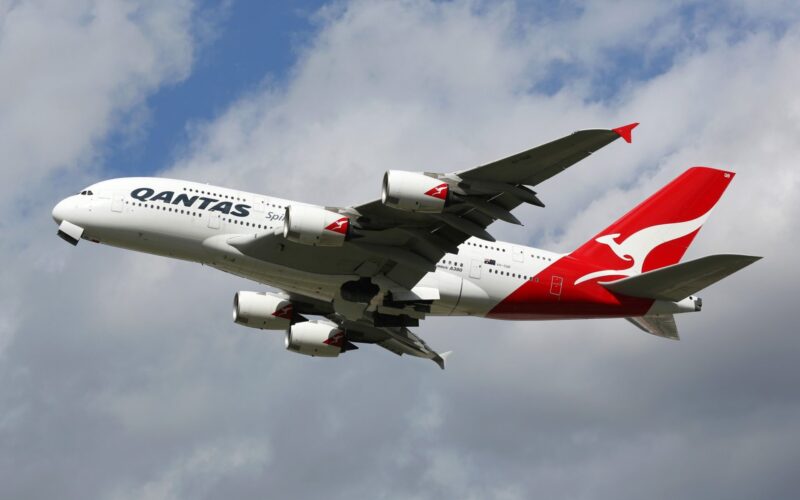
column 412, row 242
column 399, row 339
column 536, row 165
column 401, row 246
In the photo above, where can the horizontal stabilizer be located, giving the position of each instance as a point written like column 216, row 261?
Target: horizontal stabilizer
column 676, row 282
column 662, row 325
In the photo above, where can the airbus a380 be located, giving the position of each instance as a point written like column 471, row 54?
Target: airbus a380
column 370, row 272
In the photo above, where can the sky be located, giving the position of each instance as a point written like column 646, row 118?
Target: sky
column 122, row 375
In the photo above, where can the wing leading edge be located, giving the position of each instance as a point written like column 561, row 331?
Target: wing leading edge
column 538, row 164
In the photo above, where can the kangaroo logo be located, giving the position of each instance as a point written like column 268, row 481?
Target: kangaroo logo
column 439, row 191
column 636, row 247
column 284, row 312
column 337, row 339
column 339, row 226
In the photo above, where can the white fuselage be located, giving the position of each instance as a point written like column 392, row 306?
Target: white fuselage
column 198, row 220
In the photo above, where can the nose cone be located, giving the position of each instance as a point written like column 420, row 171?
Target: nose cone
column 60, row 211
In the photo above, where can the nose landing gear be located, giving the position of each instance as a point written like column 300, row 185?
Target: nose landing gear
column 69, row 232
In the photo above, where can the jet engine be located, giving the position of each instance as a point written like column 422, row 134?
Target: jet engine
column 262, row 310
column 414, row 192
column 310, row 225
column 316, row 338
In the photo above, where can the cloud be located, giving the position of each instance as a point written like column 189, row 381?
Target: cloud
column 126, row 377
column 196, row 474
column 76, row 71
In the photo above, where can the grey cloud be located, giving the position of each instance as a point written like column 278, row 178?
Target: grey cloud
column 123, row 376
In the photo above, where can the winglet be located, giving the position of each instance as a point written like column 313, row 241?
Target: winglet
column 625, row 131
column 439, row 359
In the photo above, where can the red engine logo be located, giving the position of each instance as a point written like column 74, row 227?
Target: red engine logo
column 439, row 191
column 336, row 340
column 340, row 226
column 284, row 312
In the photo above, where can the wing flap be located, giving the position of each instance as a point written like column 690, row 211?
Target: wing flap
column 399, row 340
column 676, row 282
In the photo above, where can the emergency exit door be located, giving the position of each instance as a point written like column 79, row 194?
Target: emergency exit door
column 475, row 269
column 556, row 284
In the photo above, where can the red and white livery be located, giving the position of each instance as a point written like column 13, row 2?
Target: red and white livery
column 369, row 273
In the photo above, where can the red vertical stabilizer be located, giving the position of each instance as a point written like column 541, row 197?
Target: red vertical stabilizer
column 659, row 230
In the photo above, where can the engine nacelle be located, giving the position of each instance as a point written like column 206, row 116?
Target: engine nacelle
column 310, row 225
column 262, row 310
column 413, row 192
column 315, row 338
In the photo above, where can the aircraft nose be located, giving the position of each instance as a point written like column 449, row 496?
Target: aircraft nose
column 59, row 211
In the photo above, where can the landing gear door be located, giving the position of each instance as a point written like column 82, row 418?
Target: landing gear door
column 475, row 269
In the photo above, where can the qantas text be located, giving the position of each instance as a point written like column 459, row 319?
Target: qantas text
column 212, row 204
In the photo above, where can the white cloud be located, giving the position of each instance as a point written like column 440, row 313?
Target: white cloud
column 130, row 377
column 73, row 71
column 442, row 87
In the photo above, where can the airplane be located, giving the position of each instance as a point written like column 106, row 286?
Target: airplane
column 369, row 273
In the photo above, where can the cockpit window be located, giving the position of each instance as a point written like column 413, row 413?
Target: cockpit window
column 89, row 193
column 86, row 192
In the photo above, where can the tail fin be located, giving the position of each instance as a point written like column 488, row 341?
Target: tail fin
column 659, row 230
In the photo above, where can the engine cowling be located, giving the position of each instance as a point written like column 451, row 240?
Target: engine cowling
column 310, row 225
column 262, row 310
column 413, row 192
column 315, row 338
